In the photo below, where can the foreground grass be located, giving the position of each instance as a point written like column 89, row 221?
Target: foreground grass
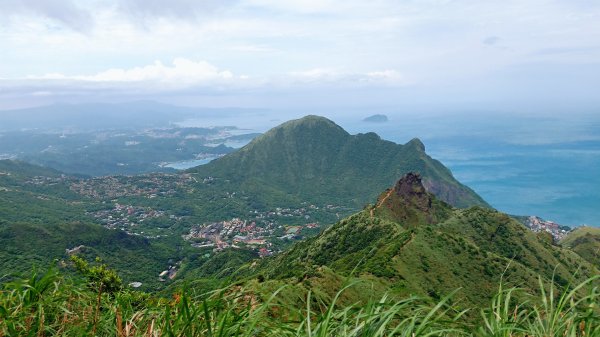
column 53, row 305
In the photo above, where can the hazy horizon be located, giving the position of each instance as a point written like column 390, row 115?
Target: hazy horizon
column 512, row 56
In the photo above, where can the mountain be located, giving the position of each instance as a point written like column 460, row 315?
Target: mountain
column 410, row 242
column 585, row 241
column 314, row 160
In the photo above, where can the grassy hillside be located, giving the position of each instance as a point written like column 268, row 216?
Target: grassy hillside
column 409, row 265
column 585, row 241
column 411, row 243
column 97, row 305
column 314, row 160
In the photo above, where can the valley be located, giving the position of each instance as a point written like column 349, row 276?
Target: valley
column 299, row 224
column 223, row 204
column 237, row 207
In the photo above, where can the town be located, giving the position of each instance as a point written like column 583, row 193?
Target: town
column 264, row 230
column 537, row 224
column 148, row 186
column 237, row 233
column 129, row 218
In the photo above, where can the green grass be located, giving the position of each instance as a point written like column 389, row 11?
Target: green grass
column 51, row 304
column 585, row 241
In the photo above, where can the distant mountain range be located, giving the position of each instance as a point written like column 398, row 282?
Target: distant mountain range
column 98, row 116
column 314, row 160
column 117, row 152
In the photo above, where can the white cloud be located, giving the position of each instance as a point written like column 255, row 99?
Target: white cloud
column 329, row 75
column 182, row 72
column 385, row 75
column 259, row 44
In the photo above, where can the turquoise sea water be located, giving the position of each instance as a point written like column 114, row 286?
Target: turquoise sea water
column 524, row 165
column 186, row 164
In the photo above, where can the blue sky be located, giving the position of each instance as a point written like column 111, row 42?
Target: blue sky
column 511, row 54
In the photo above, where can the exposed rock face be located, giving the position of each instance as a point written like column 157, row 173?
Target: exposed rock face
column 410, row 186
column 411, row 190
column 409, row 203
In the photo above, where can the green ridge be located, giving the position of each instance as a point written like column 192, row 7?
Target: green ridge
column 412, row 243
column 585, row 241
column 313, row 159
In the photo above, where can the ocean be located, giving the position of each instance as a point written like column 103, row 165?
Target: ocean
column 547, row 166
column 522, row 164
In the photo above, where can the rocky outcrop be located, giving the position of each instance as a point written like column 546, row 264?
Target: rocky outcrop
column 408, row 202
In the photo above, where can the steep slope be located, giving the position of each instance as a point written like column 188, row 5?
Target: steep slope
column 412, row 243
column 312, row 159
column 585, row 241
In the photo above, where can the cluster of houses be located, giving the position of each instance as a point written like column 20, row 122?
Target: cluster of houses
column 293, row 212
column 224, row 234
column 238, row 233
column 537, row 224
column 46, row 181
column 169, row 273
column 149, row 186
column 127, row 217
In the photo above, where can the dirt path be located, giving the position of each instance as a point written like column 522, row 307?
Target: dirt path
column 389, row 193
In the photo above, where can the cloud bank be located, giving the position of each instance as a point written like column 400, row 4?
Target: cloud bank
column 459, row 50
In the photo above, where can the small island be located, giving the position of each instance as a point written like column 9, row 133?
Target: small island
column 376, row 119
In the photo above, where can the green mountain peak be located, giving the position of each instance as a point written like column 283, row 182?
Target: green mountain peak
column 309, row 122
column 417, row 144
column 412, row 243
column 314, row 160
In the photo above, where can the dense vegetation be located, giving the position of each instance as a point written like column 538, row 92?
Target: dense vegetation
column 41, row 217
column 313, row 159
column 585, row 241
column 37, row 225
column 411, row 243
column 96, row 305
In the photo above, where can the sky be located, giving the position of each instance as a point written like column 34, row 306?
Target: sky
column 509, row 54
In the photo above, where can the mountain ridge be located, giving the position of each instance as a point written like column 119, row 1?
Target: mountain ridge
column 472, row 249
column 314, row 159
